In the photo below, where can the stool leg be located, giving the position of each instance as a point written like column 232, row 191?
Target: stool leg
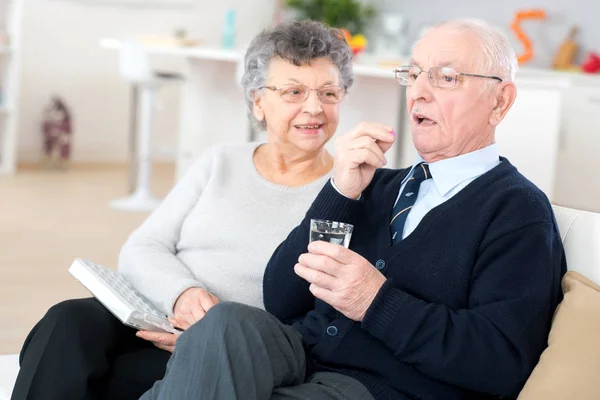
column 142, row 199
column 133, row 128
column 146, row 122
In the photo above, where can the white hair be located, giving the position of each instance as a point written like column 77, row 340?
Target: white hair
column 498, row 56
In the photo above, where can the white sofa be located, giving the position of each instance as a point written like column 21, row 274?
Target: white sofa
column 9, row 367
column 580, row 233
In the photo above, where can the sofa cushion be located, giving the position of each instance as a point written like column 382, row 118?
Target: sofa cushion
column 569, row 368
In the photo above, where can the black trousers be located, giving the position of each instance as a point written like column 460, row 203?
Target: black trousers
column 80, row 351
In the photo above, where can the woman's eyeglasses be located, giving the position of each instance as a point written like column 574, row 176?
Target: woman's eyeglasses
column 296, row 93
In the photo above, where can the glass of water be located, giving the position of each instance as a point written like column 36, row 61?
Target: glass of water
column 331, row 231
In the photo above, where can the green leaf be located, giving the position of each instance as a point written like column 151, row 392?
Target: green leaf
column 349, row 14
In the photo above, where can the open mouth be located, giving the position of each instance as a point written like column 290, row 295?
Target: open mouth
column 309, row 127
column 421, row 119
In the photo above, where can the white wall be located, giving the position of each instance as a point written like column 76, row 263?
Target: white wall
column 546, row 36
column 60, row 54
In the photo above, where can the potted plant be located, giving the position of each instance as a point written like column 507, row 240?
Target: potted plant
column 352, row 16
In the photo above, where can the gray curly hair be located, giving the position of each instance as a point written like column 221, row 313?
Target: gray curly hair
column 298, row 42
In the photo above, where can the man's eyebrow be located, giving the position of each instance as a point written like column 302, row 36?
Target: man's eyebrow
column 450, row 63
column 447, row 63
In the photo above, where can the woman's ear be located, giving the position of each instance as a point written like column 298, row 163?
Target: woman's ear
column 505, row 97
column 257, row 109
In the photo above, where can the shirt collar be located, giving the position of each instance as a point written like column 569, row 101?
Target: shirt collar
column 450, row 172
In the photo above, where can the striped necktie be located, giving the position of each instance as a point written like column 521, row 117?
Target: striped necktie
column 407, row 200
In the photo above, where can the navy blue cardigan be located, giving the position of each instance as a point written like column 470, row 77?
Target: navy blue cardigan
column 469, row 297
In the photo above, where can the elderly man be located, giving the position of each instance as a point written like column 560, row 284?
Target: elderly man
column 453, row 272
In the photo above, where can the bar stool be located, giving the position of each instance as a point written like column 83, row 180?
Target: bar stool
column 135, row 68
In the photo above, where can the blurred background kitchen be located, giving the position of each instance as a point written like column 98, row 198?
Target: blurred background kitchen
column 94, row 92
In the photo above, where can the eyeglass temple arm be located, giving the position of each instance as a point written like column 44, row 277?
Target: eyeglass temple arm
column 481, row 76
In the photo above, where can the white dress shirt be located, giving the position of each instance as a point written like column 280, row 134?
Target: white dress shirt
column 449, row 176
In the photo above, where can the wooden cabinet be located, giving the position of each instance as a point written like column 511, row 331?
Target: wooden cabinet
column 578, row 161
column 529, row 135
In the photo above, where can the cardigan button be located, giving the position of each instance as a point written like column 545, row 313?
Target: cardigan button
column 380, row 264
column 332, row 330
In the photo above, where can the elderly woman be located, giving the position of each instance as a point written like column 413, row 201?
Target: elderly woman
column 211, row 238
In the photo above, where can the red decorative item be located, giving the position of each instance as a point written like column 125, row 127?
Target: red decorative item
column 591, row 65
column 56, row 129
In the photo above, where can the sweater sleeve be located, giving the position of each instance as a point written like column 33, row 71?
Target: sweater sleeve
column 286, row 295
column 149, row 257
column 493, row 345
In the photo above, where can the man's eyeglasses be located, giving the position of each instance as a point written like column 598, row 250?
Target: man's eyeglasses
column 443, row 77
column 296, row 93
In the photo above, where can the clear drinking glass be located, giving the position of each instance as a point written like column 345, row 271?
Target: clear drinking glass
column 331, row 231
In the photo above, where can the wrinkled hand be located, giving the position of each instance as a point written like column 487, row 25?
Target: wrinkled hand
column 165, row 341
column 340, row 277
column 358, row 154
column 191, row 306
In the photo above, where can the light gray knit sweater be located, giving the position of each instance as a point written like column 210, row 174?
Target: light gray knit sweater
column 216, row 229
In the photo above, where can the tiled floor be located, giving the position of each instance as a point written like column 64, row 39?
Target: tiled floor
column 48, row 218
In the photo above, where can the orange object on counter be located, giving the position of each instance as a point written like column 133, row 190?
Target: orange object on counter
column 357, row 43
column 523, row 38
column 565, row 56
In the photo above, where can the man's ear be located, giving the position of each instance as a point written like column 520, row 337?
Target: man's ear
column 504, row 97
column 257, row 109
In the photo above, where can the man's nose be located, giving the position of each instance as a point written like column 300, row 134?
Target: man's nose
column 421, row 88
